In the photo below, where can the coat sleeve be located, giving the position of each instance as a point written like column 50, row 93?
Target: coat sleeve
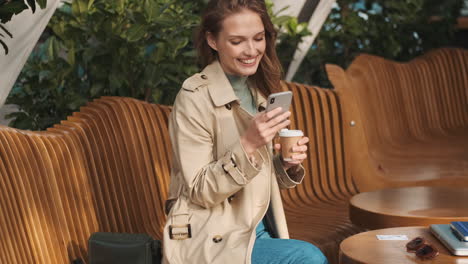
column 208, row 181
column 289, row 178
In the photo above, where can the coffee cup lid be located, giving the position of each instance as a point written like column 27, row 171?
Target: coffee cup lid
column 290, row 133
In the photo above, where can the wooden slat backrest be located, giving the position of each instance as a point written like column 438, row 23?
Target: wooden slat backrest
column 316, row 111
column 106, row 168
column 45, row 218
column 317, row 209
column 131, row 149
column 415, row 112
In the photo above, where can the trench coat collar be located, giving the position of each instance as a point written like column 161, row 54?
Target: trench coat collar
column 220, row 88
column 261, row 100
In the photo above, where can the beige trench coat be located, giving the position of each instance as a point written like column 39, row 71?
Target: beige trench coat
column 219, row 194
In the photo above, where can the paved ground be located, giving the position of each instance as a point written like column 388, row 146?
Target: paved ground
column 4, row 110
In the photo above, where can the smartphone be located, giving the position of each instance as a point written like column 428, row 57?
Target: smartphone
column 282, row 99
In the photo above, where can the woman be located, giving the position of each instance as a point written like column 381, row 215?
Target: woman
column 224, row 202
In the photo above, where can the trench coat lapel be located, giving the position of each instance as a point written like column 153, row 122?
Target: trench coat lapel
column 261, row 101
column 219, row 87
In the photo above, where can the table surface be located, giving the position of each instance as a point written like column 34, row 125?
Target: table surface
column 366, row 248
column 413, row 206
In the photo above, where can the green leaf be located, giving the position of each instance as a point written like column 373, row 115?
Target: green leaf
column 156, row 94
column 83, row 5
column 90, row 4
column 292, row 26
column 160, row 52
column 79, row 8
column 281, row 20
column 44, row 75
column 164, row 21
column 173, row 78
column 71, row 56
column 59, row 29
column 21, row 120
column 75, row 9
column 115, row 81
column 136, row 32
column 96, row 89
column 151, row 10
column 120, row 6
column 281, row 10
column 52, row 48
column 76, row 101
column 89, row 55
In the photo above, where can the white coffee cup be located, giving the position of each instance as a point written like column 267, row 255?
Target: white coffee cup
column 289, row 139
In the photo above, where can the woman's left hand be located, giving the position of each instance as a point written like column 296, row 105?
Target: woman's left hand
column 297, row 158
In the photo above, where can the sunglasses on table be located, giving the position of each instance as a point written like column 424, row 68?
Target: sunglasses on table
column 422, row 249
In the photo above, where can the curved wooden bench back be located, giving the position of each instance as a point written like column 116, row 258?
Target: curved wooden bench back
column 45, row 217
column 104, row 169
column 107, row 167
column 128, row 162
column 317, row 209
column 406, row 112
column 316, row 111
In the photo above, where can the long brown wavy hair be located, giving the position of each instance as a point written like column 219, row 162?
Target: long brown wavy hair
column 268, row 75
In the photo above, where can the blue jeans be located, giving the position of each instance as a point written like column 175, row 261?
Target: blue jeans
column 268, row 250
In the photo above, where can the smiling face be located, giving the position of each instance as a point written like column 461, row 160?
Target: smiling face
column 240, row 44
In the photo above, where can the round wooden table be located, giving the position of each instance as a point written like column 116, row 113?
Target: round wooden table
column 413, row 206
column 366, row 248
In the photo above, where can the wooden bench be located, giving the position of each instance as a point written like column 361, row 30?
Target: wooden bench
column 406, row 124
column 104, row 169
column 107, row 167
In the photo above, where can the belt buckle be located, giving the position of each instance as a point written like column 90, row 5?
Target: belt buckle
column 180, row 235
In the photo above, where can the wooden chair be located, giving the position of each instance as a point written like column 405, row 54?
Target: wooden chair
column 405, row 124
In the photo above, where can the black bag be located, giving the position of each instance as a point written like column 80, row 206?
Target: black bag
column 122, row 248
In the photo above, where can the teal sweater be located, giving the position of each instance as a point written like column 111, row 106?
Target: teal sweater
column 242, row 91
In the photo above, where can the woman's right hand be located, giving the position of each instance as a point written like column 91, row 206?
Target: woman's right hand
column 263, row 129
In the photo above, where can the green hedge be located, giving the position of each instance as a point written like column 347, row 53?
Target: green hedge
column 393, row 29
column 136, row 48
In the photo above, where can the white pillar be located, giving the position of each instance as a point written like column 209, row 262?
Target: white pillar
column 315, row 24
